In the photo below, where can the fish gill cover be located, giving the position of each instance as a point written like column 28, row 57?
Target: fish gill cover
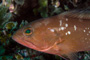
column 14, row 14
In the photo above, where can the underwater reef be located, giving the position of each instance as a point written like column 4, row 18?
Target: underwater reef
column 14, row 14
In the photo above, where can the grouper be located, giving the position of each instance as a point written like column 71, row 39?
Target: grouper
column 63, row 35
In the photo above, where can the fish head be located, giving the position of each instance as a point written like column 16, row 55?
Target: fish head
column 37, row 35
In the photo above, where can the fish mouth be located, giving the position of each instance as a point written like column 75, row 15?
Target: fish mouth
column 18, row 40
column 31, row 45
column 23, row 42
column 27, row 43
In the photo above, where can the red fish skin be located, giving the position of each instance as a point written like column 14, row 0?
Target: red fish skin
column 58, row 35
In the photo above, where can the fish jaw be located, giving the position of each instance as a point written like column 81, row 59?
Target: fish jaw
column 20, row 40
column 26, row 43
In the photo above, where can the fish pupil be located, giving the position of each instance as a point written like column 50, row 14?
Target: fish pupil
column 28, row 31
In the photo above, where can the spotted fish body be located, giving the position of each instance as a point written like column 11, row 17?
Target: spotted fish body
column 63, row 34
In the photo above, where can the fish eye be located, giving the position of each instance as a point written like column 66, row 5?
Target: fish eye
column 28, row 31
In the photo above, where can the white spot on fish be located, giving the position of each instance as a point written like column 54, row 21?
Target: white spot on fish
column 62, row 28
column 65, row 33
column 84, row 30
column 66, row 25
column 75, row 28
column 69, row 32
column 60, row 22
column 52, row 30
column 66, row 19
column 87, row 28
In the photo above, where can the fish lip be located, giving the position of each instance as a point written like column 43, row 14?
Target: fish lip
column 27, row 44
column 31, row 45
column 34, row 47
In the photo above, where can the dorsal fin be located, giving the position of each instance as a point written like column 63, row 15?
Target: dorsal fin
column 78, row 14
